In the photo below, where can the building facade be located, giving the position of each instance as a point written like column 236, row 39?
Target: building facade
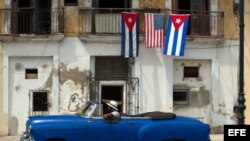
column 56, row 55
column 246, row 63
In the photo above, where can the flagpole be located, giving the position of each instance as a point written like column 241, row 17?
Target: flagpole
column 241, row 99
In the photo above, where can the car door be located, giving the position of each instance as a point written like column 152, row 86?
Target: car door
column 99, row 129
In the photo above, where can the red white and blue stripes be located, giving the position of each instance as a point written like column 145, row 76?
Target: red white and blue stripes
column 176, row 34
column 130, row 35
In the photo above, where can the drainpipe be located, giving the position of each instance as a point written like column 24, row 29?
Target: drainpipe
column 241, row 99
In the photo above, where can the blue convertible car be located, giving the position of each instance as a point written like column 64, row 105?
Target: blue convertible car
column 90, row 126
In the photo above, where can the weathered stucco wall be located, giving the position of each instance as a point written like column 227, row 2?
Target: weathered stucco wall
column 231, row 22
column 199, row 89
column 19, row 88
column 70, row 59
column 3, row 116
column 1, row 17
column 224, row 64
column 71, row 66
column 1, row 4
column 74, row 70
column 152, row 4
column 247, row 60
column 71, row 22
column 18, row 56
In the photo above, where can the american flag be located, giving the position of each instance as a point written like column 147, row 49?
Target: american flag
column 154, row 25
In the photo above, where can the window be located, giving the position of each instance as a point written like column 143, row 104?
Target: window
column 113, row 4
column 199, row 19
column 31, row 16
column 25, row 3
column 180, row 97
column 191, row 72
column 31, row 73
column 111, row 67
column 40, row 100
column 70, row 2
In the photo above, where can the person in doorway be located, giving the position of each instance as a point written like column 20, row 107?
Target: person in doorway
column 112, row 111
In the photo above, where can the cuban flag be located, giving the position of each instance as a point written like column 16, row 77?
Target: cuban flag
column 176, row 33
column 130, row 35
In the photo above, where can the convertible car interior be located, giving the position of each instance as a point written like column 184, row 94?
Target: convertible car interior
column 153, row 115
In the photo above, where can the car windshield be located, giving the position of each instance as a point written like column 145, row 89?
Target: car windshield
column 89, row 107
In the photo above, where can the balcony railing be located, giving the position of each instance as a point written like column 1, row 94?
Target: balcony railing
column 108, row 21
column 31, row 21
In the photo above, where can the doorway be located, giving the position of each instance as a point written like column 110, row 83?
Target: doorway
column 112, row 92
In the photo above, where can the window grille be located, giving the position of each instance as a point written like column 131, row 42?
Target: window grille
column 38, row 102
column 70, row 2
column 191, row 72
column 31, row 73
column 180, row 97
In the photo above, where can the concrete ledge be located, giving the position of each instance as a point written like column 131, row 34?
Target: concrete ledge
column 103, row 38
column 31, row 37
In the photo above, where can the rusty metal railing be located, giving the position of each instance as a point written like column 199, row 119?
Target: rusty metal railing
column 108, row 21
column 31, row 21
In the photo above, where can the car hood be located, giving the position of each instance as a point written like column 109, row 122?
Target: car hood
column 56, row 121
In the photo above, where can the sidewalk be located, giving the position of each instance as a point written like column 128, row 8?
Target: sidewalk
column 217, row 137
column 9, row 138
column 214, row 137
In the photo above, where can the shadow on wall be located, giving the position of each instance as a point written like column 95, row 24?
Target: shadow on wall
column 13, row 126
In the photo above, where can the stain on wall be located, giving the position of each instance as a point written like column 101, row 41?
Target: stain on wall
column 76, row 75
column 198, row 96
column 19, row 66
column 1, row 4
column 74, row 85
column 152, row 4
column 231, row 22
column 75, row 102
column 71, row 24
column 49, row 82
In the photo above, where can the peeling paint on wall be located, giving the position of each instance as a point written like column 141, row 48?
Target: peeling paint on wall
column 77, row 76
column 49, row 82
column 74, row 83
column 75, row 102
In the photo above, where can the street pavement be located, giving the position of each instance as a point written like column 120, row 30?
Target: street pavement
column 214, row 137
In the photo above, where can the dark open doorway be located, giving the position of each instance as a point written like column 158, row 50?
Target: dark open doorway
column 112, row 93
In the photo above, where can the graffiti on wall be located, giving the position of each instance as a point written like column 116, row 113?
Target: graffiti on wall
column 75, row 102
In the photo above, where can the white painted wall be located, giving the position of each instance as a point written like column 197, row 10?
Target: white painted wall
column 199, row 89
column 155, row 73
column 16, row 88
column 224, row 76
column 19, row 87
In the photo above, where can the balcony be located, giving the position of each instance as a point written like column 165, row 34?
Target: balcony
column 107, row 21
column 31, row 21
